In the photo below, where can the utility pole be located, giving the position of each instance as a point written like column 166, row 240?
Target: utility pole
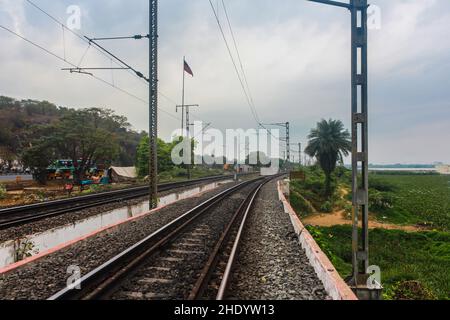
column 186, row 107
column 153, row 107
column 359, row 281
column 182, row 98
column 186, row 111
column 188, row 119
column 188, row 133
column 287, row 140
column 300, row 153
column 288, row 143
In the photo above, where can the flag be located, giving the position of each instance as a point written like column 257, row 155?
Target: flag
column 187, row 68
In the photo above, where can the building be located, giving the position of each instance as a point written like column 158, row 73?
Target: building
column 443, row 169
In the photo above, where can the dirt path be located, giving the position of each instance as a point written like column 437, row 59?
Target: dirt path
column 339, row 218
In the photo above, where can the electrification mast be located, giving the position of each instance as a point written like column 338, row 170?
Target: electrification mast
column 287, row 126
column 360, row 151
column 153, row 99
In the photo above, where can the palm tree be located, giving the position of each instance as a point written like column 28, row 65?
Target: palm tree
column 329, row 142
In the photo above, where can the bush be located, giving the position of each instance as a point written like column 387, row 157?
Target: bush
column 379, row 201
column 381, row 185
column 95, row 188
column 300, row 204
column 327, row 207
column 409, row 290
column 348, row 209
column 3, row 192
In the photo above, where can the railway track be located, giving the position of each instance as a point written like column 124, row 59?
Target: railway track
column 17, row 216
column 192, row 257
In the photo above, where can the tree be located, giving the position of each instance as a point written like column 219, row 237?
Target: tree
column 165, row 162
column 84, row 137
column 329, row 142
column 143, row 157
column 81, row 136
column 38, row 158
column 19, row 118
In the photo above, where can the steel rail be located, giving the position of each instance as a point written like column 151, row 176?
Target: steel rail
column 102, row 281
column 234, row 253
column 207, row 272
column 21, row 215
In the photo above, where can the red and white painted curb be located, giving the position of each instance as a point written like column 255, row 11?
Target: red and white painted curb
column 108, row 228
column 335, row 286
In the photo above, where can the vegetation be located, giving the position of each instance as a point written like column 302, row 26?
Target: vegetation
column 166, row 167
column 31, row 127
column 23, row 249
column 83, row 136
column 329, row 143
column 414, row 199
column 413, row 265
column 309, row 195
column 3, row 192
column 411, row 199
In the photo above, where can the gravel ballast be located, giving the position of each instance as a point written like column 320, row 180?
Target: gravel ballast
column 31, row 228
column 179, row 279
column 271, row 264
column 41, row 279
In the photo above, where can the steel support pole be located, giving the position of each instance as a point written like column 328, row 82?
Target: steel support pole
column 182, row 99
column 300, row 154
column 188, row 136
column 288, row 143
column 360, row 150
column 153, row 108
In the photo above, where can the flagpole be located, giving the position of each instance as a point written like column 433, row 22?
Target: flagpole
column 182, row 99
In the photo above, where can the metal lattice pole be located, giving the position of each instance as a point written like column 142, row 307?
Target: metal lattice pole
column 358, row 10
column 360, row 146
column 153, row 108
column 288, row 143
column 300, row 154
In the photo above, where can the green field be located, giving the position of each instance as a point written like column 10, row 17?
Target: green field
column 415, row 265
column 421, row 258
column 413, row 199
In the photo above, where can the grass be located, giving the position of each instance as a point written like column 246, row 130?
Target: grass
column 421, row 258
column 414, row 265
column 398, row 198
column 308, row 196
column 180, row 174
column 414, row 199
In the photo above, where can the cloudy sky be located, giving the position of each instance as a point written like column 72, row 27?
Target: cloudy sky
column 296, row 55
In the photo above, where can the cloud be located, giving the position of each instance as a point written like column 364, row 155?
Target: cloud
column 14, row 9
column 296, row 55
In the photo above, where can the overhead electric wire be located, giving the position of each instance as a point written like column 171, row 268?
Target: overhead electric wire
column 249, row 100
column 232, row 58
column 73, row 65
column 138, row 73
column 81, row 37
column 240, row 60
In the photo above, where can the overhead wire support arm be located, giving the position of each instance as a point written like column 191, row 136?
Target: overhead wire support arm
column 138, row 73
column 81, row 69
column 136, row 37
column 333, row 3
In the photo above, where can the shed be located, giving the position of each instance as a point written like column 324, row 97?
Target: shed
column 122, row 174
